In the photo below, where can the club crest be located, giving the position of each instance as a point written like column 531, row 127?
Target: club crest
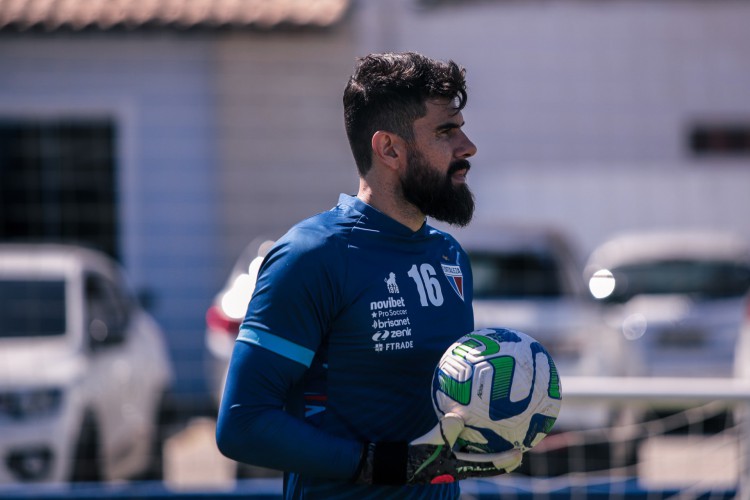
column 455, row 278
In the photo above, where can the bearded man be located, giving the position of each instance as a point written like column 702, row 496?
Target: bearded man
column 330, row 376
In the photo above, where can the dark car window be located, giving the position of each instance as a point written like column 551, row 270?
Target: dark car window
column 707, row 279
column 32, row 308
column 515, row 275
column 105, row 303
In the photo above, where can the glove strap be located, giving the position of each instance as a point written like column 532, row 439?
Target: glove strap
column 389, row 462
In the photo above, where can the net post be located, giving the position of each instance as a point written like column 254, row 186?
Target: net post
column 743, row 413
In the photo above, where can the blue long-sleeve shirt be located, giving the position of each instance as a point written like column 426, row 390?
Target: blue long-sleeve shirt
column 350, row 315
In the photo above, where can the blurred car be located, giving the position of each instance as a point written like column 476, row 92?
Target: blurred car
column 227, row 310
column 675, row 297
column 223, row 319
column 530, row 278
column 84, row 370
column 742, row 353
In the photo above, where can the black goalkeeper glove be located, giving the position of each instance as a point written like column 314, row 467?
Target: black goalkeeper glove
column 430, row 459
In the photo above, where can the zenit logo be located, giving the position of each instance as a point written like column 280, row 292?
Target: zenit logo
column 393, row 334
column 381, row 335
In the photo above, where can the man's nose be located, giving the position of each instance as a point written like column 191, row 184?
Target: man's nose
column 467, row 149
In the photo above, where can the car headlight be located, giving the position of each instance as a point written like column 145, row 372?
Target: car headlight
column 29, row 403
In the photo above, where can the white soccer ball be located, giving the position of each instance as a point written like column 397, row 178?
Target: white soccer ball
column 503, row 384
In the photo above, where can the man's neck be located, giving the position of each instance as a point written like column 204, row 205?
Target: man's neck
column 388, row 202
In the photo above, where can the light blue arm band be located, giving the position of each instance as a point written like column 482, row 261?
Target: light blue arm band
column 277, row 345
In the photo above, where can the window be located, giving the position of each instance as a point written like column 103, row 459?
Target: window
column 709, row 279
column 515, row 275
column 32, row 308
column 727, row 140
column 57, row 182
column 105, row 305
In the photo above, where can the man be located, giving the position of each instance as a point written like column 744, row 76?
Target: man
column 331, row 373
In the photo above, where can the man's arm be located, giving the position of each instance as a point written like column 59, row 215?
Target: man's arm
column 253, row 428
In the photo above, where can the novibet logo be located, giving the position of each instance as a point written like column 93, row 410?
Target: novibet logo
column 386, row 304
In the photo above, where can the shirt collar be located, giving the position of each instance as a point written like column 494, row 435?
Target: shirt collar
column 379, row 218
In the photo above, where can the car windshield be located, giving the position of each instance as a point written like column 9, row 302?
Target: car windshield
column 709, row 279
column 31, row 308
column 515, row 275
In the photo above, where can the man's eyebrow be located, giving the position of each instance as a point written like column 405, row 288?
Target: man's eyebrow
column 444, row 127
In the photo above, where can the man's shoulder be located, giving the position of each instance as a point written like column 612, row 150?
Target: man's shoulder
column 321, row 231
column 436, row 233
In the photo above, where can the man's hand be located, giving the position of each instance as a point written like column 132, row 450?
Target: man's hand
column 430, row 459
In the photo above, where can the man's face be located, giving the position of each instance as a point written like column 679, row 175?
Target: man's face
column 435, row 177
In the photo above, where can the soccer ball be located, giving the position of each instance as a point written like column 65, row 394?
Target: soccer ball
column 503, row 384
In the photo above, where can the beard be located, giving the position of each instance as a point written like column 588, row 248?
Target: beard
column 434, row 193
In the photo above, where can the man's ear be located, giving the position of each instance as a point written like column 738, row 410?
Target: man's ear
column 388, row 148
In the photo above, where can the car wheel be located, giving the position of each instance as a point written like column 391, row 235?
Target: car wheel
column 87, row 465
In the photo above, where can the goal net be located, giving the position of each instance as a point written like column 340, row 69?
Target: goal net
column 666, row 439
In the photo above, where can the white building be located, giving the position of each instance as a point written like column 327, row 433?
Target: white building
column 223, row 125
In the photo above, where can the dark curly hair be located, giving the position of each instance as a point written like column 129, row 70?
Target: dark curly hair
column 389, row 91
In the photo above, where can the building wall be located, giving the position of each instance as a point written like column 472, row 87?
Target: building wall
column 284, row 152
column 580, row 110
column 221, row 139
column 159, row 89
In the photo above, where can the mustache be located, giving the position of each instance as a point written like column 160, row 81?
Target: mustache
column 457, row 165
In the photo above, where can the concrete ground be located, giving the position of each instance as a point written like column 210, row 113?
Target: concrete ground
column 193, row 462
